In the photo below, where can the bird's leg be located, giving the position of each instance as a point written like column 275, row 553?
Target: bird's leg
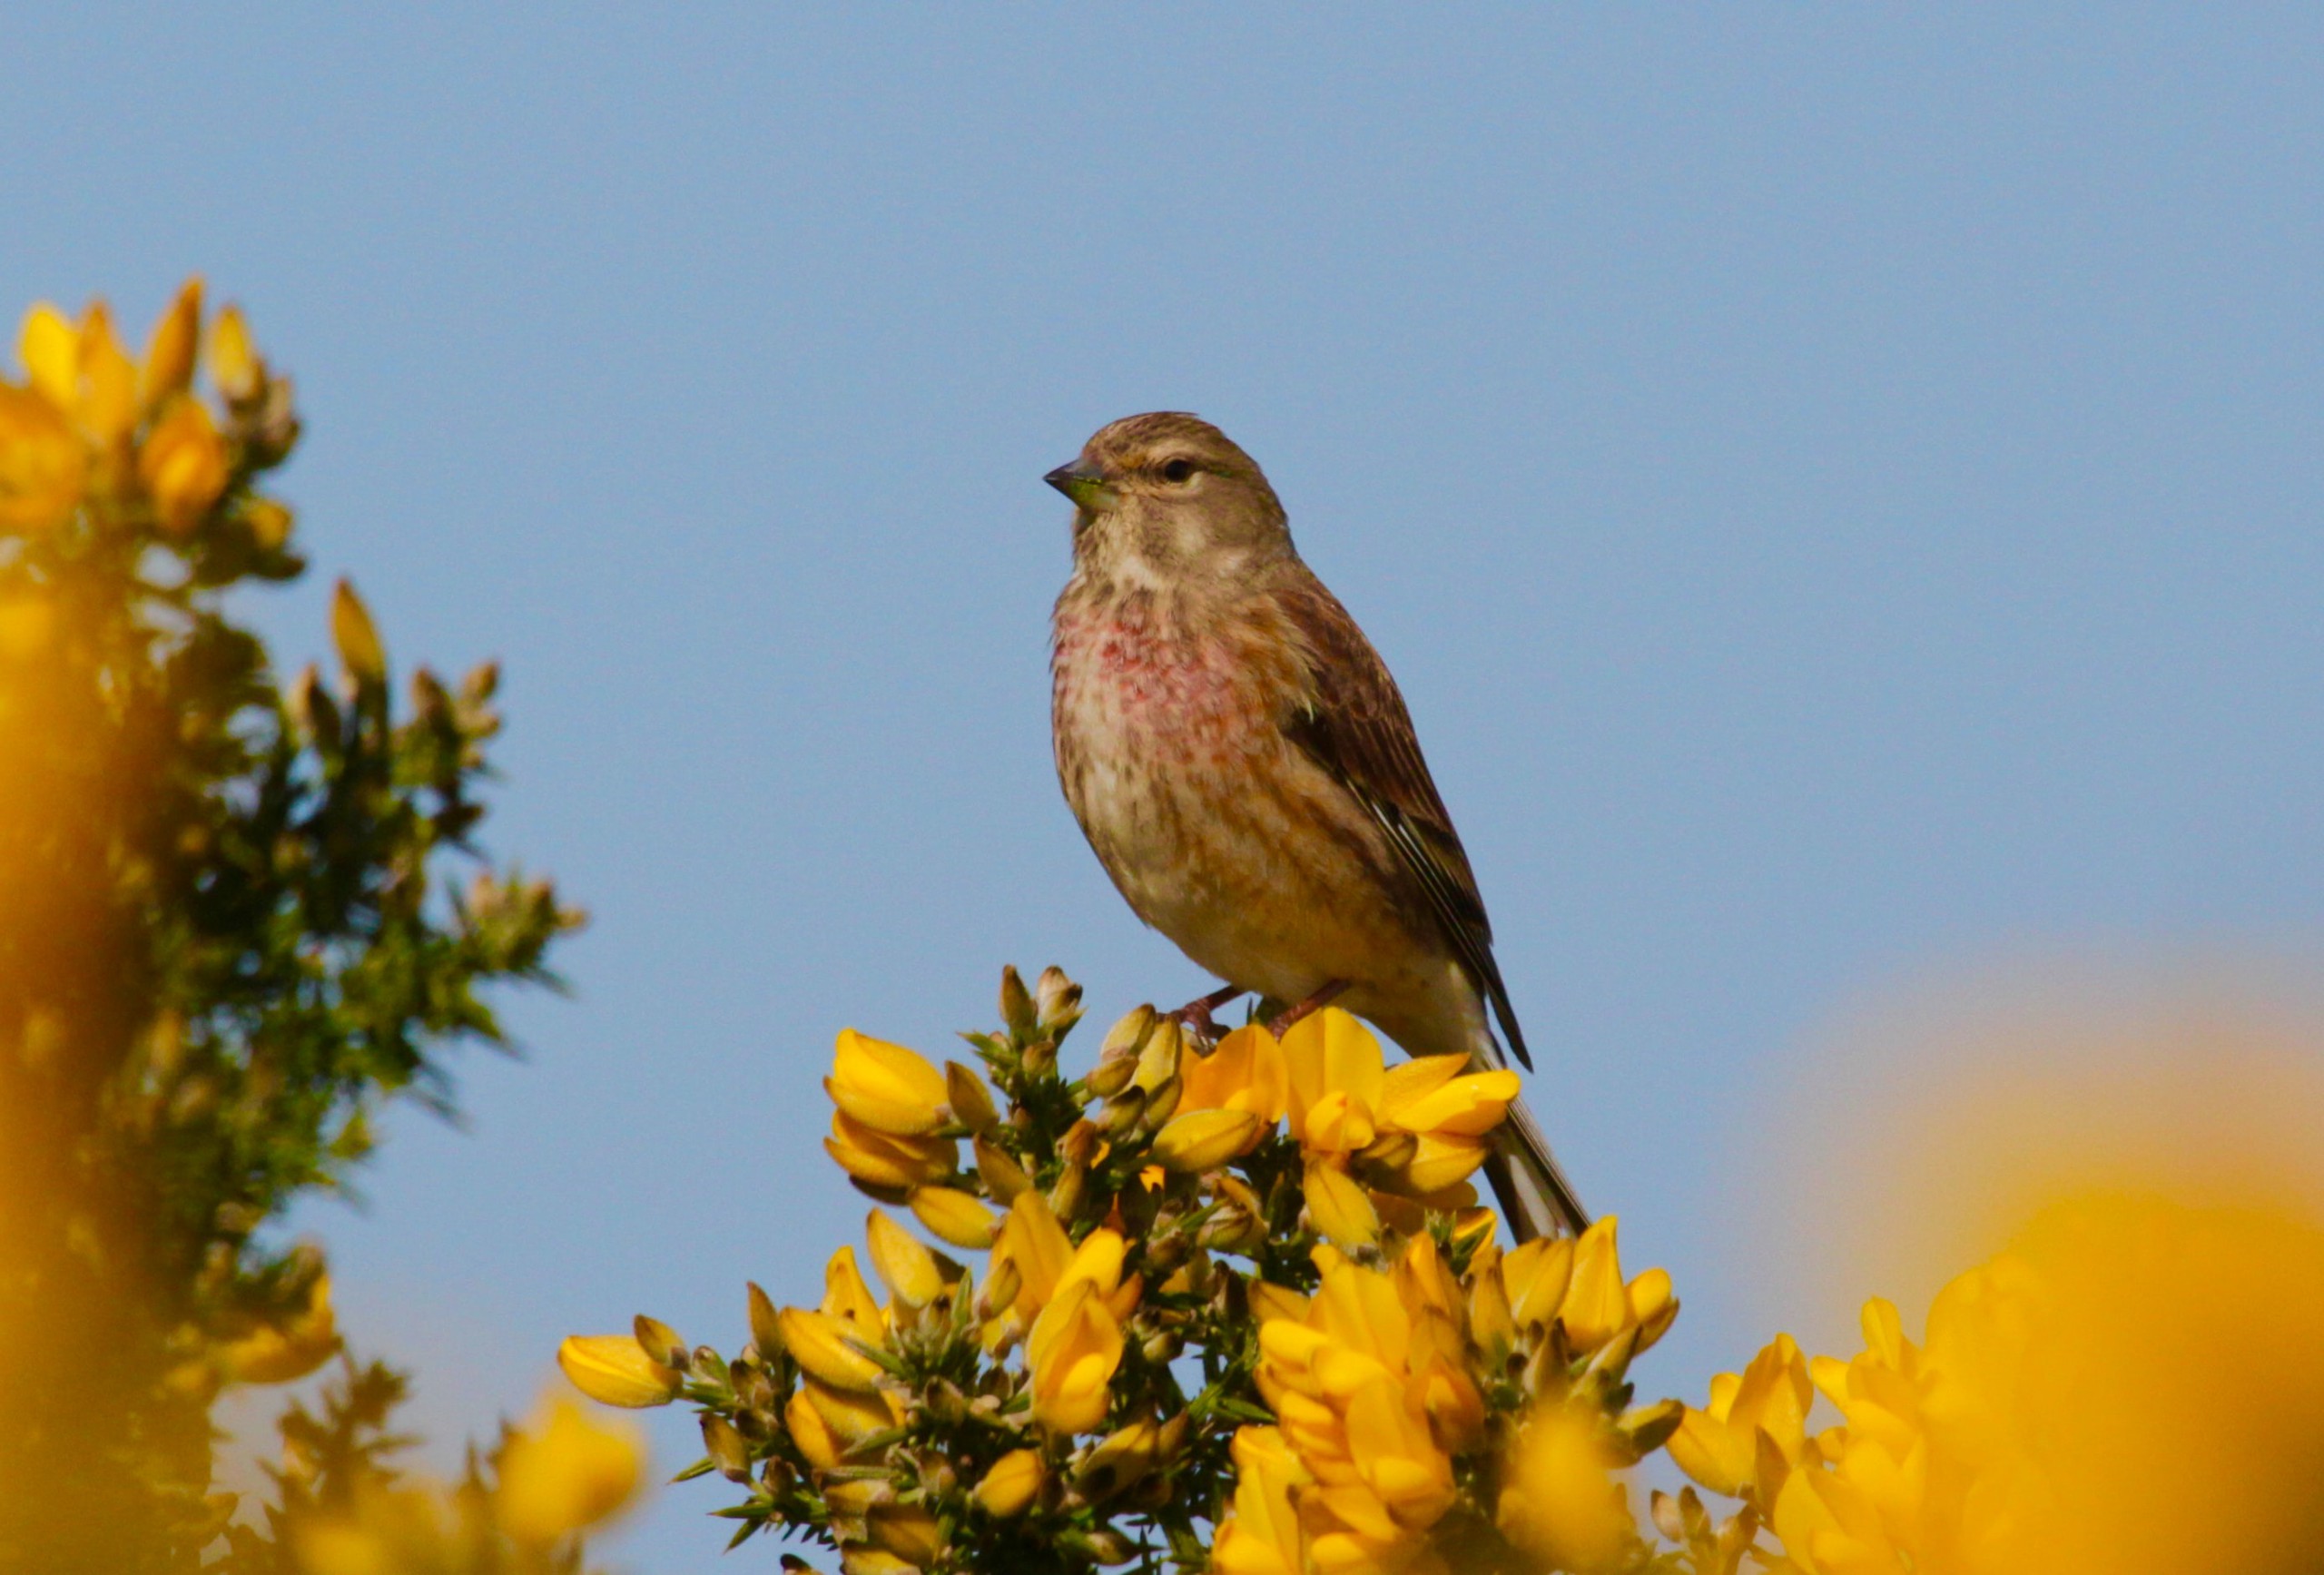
column 1314, row 1003
column 1194, row 1015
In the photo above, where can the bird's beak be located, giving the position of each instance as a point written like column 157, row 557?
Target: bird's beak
column 1083, row 482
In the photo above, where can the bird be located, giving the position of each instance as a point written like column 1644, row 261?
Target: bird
column 1247, row 771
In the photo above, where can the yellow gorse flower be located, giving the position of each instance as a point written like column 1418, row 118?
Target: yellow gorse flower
column 891, row 1102
column 41, row 463
column 1421, row 1129
column 1755, row 1428
column 93, row 422
column 1072, row 1350
column 1371, row 1395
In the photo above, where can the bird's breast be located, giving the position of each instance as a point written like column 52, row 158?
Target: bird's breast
column 1218, row 829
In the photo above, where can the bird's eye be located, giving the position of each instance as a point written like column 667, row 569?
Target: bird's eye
column 1178, row 471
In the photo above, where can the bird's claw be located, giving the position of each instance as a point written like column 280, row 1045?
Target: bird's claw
column 1281, row 1023
column 1194, row 1015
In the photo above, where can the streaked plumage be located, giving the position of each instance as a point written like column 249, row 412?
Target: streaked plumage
column 1246, row 772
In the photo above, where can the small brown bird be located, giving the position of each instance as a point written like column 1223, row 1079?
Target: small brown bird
column 1244, row 768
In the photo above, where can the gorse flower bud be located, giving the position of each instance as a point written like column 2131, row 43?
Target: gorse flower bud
column 969, row 1102
column 614, row 1370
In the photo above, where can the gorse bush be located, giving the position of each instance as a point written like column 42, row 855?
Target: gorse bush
column 1237, row 1308
column 230, row 926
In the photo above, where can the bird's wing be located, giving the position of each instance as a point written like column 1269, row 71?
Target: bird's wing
column 1352, row 722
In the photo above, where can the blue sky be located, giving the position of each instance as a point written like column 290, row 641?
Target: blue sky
column 1839, row 486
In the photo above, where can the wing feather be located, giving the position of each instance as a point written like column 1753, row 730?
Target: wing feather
column 1354, row 724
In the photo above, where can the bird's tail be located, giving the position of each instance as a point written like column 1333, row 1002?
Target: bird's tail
column 1535, row 1198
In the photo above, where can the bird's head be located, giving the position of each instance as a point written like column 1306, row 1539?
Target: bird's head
column 1166, row 496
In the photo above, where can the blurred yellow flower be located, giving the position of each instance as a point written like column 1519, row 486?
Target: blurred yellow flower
column 40, row 463
column 107, row 406
column 50, row 347
column 182, row 464
column 1558, row 1497
column 564, row 1473
column 169, row 353
column 234, row 366
column 356, row 636
column 614, row 1370
column 279, row 1353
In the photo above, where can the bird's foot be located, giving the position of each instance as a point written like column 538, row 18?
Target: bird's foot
column 1194, row 1015
column 1282, row 1022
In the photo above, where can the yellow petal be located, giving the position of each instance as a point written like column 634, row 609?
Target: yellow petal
column 1072, row 1350
column 821, row 1345
column 957, row 1216
column 51, row 349
column 360, row 651
column 1465, row 1107
column 1338, row 1207
column 810, row 1433
column 1011, row 1483
column 182, row 464
column 564, row 1473
column 1245, row 1072
column 848, row 1299
column 850, row 1415
column 169, row 354
column 1596, row 1306
column 41, row 463
column 906, row 1267
column 1202, row 1140
column 878, row 1158
column 1720, row 1457
column 1537, row 1276
column 886, row 1086
column 1560, row 1499
column 1036, row 1248
column 277, row 1353
column 614, row 1370
column 1098, row 1261
column 108, row 380
column 1272, row 1301
column 1329, row 1052
column 1439, row 1162
column 234, row 365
